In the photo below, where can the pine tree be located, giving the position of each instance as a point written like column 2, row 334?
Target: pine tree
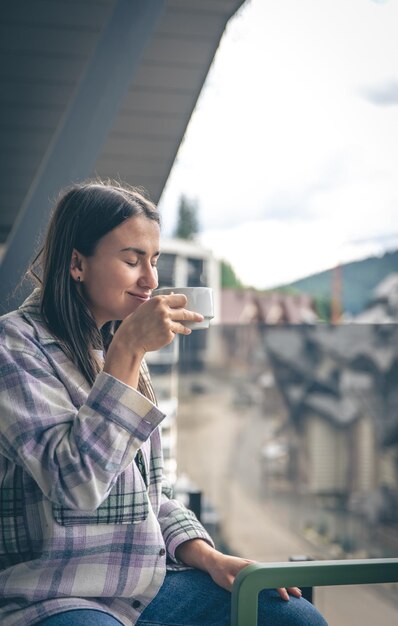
column 229, row 278
column 188, row 223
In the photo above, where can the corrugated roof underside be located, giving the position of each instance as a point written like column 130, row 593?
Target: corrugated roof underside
column 44, row 48
column 45, row 45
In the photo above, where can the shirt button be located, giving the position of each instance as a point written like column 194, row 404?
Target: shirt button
column 162, row 552
column 136, row 604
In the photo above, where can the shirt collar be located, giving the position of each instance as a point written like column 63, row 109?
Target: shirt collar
column 30, row 310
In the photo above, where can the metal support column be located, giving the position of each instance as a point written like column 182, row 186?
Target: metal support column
column 78, row 139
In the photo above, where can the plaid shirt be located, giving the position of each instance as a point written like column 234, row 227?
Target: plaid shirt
column 80, row 525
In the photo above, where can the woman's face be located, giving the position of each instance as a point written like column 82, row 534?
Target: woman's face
column 121, row 273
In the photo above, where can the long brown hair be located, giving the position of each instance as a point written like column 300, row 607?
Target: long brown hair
column 83, row 214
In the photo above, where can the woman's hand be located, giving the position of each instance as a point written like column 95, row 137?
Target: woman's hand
column 222, row 568
column 285, row 592
column 156, row 322
column 152, row 326
column 225, row 568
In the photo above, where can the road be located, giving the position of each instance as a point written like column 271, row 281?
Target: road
column 218, row 448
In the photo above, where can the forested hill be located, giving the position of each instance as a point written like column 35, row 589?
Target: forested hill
column 359, row 278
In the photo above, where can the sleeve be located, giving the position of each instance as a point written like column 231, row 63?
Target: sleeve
column 178, row 524
column 74, row 455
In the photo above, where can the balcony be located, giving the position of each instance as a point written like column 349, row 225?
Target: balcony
column 290, row 432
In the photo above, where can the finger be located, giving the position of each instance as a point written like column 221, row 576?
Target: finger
column 179, row 314
column 186, row 315
column 175, row 300
column 283, row 594
column 180, row 329
column 295, row 591
column 176, row 303
column 172, row 300
column 231, row 580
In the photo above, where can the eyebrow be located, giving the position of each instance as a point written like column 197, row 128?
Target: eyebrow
column 138, row 251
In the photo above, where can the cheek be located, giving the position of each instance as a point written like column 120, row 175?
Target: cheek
column 124, row 280
column 96, row 291
column 111, row 280
column 103, row 283
column 114, row 277
column 127, row 275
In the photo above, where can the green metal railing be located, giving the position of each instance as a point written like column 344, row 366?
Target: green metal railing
column 257, row 576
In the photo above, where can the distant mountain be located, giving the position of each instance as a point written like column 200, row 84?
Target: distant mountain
column 359, row 278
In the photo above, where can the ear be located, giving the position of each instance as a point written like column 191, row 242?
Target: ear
column 76, row 266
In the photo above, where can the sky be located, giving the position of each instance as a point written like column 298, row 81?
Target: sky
column 292, row 151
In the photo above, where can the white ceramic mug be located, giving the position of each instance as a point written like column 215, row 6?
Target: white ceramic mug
column 199, row 299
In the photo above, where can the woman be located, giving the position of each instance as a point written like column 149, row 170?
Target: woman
column 87, row 526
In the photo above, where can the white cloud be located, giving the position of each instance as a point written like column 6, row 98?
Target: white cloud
column 284, row 148
column 385, row 94
column 266, row 254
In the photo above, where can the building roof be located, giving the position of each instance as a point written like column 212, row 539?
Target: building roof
column 339, row 373
column 45, row 48
column 243, row 306
column 383, row 306
column 92, row 88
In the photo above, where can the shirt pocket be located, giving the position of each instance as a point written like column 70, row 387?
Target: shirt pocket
column 14, row 535
column 127, row 503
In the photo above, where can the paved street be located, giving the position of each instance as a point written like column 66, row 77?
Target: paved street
column 218, row 448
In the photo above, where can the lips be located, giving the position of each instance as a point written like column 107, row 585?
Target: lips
column 140, row 296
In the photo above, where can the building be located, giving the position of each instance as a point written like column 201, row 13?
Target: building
column 181, row 264
column 245, row 306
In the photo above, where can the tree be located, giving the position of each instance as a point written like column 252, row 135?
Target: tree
column 188, row 223
column 228, row 277
column 323, row 306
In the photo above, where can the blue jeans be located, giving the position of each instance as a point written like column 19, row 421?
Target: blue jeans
column 191, row 598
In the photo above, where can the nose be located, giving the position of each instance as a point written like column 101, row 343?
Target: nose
column 149, row 276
